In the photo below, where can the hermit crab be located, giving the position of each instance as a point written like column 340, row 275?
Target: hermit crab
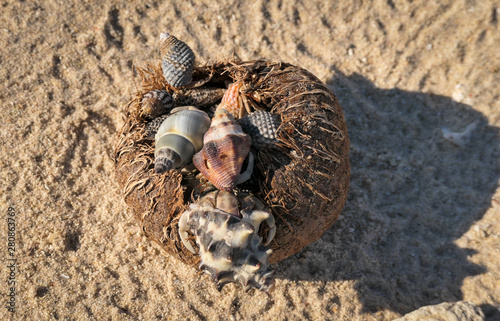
column 224, row 148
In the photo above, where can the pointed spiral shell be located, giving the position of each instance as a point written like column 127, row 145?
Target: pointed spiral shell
column 230, row 248
column 177, row 60
column 225, row 147
column 178, row 138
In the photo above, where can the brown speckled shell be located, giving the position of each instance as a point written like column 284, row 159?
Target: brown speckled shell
column 305, row 181
column 225, row 147
column 156, row 103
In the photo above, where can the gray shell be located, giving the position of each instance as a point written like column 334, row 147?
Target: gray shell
column 178, row 138
column 230, row 248
column 156, row 103
column 262, row 126
column 177, row 60
column 152, row 126
column 199, row 97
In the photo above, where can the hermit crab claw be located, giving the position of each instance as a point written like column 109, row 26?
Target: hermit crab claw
column 183, row 231
column 254, row 212
column 272, row 228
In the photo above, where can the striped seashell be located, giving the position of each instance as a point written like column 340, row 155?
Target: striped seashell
column 156, row 103
column 178, row 138
column 262, row 126
column 232, row 101
column 177, row 60
column 225, row 147
column 225, row 228
column 200, row 97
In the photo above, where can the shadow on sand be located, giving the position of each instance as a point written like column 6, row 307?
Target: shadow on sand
column 412, row 195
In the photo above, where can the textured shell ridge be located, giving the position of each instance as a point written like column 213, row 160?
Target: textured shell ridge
column 263, row 127
column 177, row 61
column 201, row 97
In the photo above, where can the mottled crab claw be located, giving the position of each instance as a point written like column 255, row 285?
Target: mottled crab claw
column 259, row 213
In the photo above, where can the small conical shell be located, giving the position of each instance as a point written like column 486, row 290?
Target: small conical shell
column 177, row 60
column 156, row 103
column 262, row 126
column 178, row 138
column 225, row 148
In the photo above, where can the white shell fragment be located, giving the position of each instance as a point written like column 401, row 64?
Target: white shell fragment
column 460, row 138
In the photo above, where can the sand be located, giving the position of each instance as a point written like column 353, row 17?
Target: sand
column 420, row 226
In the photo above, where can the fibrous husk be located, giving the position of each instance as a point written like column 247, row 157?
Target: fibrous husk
column 304, row 181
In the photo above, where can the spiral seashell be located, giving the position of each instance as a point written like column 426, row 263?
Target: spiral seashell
column 177, row 60
column 156, row 103
column 179, row 137
column 262, row 126
column 199, row 97
column 225, row 147
column 230, row 248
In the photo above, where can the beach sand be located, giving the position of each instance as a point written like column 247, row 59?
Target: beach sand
column 420, row 226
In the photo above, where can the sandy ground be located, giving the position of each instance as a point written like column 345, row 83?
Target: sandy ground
column 420, row 226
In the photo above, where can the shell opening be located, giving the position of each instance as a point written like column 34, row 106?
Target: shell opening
column 247, row 173
column 167, row 159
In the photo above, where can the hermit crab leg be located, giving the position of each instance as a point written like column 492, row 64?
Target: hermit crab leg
column 272, row 229
column 243, row 101
column 183, row 231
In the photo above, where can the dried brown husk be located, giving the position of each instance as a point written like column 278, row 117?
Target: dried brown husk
column 305, row 180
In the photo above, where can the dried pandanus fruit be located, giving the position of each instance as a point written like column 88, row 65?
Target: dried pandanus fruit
column 303, row 179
